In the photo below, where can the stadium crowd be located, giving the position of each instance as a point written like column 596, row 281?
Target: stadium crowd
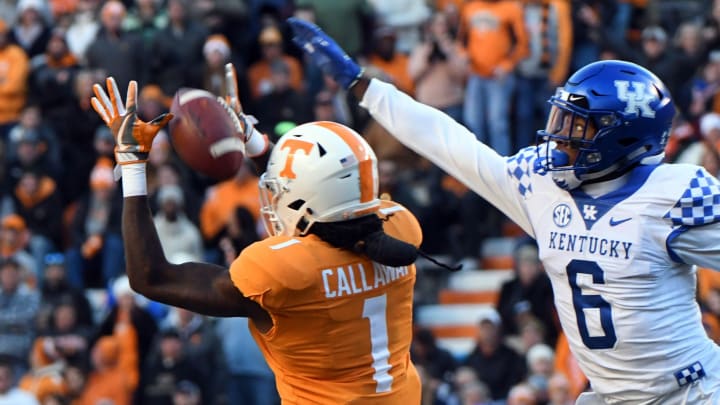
column 72, row 331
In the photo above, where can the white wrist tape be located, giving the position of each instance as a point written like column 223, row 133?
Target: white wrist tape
column 257, row 144
column 134, row 180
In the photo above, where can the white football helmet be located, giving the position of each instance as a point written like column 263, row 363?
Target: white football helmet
column 318, row 172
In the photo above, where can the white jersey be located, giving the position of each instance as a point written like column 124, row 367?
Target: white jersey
column 619, row 264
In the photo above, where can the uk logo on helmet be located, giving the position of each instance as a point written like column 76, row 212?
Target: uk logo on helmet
column 638, row 101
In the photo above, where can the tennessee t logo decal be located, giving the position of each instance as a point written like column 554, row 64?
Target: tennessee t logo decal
column 294, row 145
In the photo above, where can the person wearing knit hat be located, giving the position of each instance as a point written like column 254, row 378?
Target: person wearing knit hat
column 101, row 176
column 259, row 73
column 217, row 43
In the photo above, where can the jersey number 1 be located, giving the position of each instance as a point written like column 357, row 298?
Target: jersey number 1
column 374, row 310
column 581, row 302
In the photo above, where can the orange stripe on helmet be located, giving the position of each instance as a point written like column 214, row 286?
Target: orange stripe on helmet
column 362, row 154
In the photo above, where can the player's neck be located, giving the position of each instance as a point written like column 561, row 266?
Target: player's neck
column 604, row 187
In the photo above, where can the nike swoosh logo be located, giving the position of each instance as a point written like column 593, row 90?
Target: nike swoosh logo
column 573, row 97
column 613, row 222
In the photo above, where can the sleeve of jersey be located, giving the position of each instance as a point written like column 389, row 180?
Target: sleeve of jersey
column 449, row 145
column 696, row 216
column 249, row 274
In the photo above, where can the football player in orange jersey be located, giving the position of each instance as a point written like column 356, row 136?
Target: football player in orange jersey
column 329, row 293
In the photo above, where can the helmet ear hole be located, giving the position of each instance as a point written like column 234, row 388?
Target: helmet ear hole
column 627, row 141
column 295, row 205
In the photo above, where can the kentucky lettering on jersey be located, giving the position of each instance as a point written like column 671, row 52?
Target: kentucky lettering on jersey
column 352, row 279
column 589, row 244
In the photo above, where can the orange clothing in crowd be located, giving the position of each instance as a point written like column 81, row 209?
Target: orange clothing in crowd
column 115, row 378
column 566, row 364
column 707, row 280
column 495, row 33
column 397, row 71
column 342, row 325
column 45, row 378
column 259, row 75
column 14, row 71
column 222, row 201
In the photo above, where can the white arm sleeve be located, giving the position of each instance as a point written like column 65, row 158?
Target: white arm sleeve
column 699, row 246
column 449, row 145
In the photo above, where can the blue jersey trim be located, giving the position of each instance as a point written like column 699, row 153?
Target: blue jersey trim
column 671, row 237
column 606, row 202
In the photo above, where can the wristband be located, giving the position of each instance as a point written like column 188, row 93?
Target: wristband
column 256, row 144
column 134, row 180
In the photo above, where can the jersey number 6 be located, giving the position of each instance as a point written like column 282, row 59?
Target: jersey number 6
column 581, row 302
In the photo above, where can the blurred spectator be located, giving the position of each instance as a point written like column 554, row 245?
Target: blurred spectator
column 559, row 390
column 496, row 364
column 13, row 80
column 700, row 94
column 78, row 136
column 224, row 198
column 178, row 50
column 690, row 52
column 96, row 244
column 56, row 290
column 84, row 28
column 348, row 22
column 32, row 29
column 217, row 53
column 282, row 103
column 127, row 314
column 225, row 17
column 711, row 313
column 177, row 234
column 437, row 362
column 439, row 68
column 199, row 341
column 240, row 232
column 116, row 52
column 171, row 173
column 334, row 101
column 10, row 394
column 14, row 240
column 549, row 27
column 711, row 26
column 65, row 340
column 18, row 308
column 146, row 18
column 165, row 369
column 406, row 17
column 540, row 362
column 111, row 377
column 521, row 394
column 590, row 19
column 469, row 389
column 37, row 200
column 386, row 58
column 250, row 380
column 52, row 75
column 528, row 293
column 496, row 40
column 186, row 393
column 260, row 73
column 33, row 145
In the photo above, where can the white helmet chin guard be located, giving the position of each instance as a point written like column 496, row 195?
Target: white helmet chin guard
column 318, row 172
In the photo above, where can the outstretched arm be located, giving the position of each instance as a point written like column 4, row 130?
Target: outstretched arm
column 200, row 287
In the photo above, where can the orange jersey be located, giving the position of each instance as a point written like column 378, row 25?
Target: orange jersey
column 496, row 35
column 342, row 325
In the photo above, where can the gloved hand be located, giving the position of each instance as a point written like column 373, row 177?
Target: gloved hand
column 255, row 142
column 133, row 137
column 325, row 52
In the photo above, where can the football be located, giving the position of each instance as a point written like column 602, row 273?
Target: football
column 203, row 135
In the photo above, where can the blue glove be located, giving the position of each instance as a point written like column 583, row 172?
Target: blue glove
column 325, row 52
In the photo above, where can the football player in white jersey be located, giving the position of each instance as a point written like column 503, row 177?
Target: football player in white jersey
column 619, row 231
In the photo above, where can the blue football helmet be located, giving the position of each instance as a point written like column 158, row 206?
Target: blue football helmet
column 616, row 114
